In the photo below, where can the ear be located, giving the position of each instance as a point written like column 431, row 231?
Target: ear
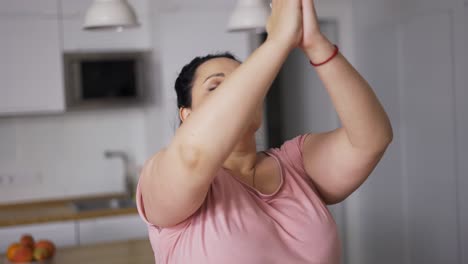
column 184, row 113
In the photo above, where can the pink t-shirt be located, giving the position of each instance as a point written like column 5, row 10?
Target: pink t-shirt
column 237, row 224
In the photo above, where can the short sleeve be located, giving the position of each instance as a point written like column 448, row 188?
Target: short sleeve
column 140, row 204
column 291, row 152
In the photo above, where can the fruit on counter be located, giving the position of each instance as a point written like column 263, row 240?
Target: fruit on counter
column 25, row 251
column 12, row 249
column 20, row 253
column 41, row 254
column 27, row 240
column 45, row 249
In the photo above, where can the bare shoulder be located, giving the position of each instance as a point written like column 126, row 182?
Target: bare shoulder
column 314, row 137
column 167, row 189
column 148, row 172
column 313, row 141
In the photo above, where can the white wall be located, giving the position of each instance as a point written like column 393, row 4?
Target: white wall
column 461, row 92
column 62, row 155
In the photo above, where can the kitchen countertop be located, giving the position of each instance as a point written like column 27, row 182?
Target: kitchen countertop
column 131, row 252
column 55, row 210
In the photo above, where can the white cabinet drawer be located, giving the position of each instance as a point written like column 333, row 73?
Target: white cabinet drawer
column 107, row 229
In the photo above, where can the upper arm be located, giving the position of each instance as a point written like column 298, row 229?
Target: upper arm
column 335, row 166
column 169, row 195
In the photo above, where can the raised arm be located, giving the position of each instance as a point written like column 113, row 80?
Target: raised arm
column 175, row 181
column 340, row 161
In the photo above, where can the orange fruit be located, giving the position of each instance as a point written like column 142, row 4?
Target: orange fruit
column 21, row 253
column 11, row 251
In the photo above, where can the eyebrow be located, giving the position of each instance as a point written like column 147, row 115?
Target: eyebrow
column 215, row 75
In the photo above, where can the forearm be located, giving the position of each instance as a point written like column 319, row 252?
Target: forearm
column 212, row 131
column 362, row 115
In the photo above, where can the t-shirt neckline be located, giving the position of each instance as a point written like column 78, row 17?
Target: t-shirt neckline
column 256, row 191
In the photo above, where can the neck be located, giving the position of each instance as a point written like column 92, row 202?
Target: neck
column 243, row 158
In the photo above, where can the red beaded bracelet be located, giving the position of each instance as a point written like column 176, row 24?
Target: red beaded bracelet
column 329, row 59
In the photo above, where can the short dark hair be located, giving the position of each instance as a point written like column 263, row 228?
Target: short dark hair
column 184, row 82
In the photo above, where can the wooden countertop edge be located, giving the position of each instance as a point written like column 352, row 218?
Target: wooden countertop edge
column 70, row 217
column 56, row 202
column 65, row 216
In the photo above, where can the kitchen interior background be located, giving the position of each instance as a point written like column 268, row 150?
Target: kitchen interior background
column 413, row 208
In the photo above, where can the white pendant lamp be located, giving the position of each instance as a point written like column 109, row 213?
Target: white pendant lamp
column 110, row 14
column 249, row 15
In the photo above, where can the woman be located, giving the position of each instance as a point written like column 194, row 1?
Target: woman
column 210, row 197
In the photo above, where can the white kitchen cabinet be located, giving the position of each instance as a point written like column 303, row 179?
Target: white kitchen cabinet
column 75, row 38
column 29, row 7
column 31, row 65
column 62, row 234
column 107, row 229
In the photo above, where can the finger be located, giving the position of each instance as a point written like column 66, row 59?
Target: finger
column 309, row 13
column 306, row 10
column 310, row 5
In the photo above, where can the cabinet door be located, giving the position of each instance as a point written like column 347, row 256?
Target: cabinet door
column 62, row 234
column 107, row 229
column 29, row 7
column 31, row 66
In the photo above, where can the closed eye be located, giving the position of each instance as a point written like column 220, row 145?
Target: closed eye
column 214, row 83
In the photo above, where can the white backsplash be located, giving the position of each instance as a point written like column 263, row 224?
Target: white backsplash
column 46, row 157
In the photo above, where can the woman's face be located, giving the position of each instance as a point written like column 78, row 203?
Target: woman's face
column 208, row 77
